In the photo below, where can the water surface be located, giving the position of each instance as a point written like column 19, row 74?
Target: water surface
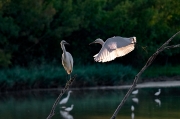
column 92, row 104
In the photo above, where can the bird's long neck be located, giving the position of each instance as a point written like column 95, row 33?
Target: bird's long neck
column 101, row 42
column 63, row 48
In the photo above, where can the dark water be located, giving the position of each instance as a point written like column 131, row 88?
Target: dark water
column 92, row 104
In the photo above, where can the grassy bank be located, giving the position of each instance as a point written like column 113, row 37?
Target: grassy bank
column 54, row 76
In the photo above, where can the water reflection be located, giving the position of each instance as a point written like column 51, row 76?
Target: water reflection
column 66, row 115
column 158, row 93
column 64, row 100
column 132, row 108
column 158, row 102
column 135, row 92
column 132, row 115
column 92, row 104
column 136, row 100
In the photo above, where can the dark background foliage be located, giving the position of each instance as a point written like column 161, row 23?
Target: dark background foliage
column 31, row 30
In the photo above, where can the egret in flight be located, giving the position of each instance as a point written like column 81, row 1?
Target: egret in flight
column 114, row 47
column 67, row 59
column 64, row 100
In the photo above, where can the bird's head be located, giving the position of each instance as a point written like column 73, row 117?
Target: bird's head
column 63, row 42
column 133, row 39
column 100, row 41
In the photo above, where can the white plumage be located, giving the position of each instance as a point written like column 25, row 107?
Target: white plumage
column 114, row 47
column 67, row 59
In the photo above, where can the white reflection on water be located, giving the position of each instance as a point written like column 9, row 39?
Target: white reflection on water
column 64, row 100
column 66, row 115
column 132, row 108
column 132, row 115
column 135, row 92
column 158, row 93
column 136, row 100
column 158, row 102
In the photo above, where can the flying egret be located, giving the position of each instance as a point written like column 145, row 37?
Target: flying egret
column 68, row 109
column 64, row 100
column 114, row 47
column 135, row 92
column 67, row 59
column 158, row 93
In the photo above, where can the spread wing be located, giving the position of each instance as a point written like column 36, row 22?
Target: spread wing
column 115, row 47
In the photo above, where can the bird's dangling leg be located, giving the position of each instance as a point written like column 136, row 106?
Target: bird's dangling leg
column 69, row 76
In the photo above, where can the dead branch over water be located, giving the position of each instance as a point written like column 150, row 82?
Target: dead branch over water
column 69, row 83
column 148, row 63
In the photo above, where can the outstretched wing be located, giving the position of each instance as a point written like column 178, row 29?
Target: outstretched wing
column 115, row 47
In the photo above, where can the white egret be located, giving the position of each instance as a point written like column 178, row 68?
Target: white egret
column 67, row 59
column 135, row 92
column 158, row 101
column 114, row 47
column 68, row 109
column 64, row 100
column 158, row 93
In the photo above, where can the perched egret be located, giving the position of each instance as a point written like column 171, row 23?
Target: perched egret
column 64, row 100
column 158, row 101
column 135, row 92
column 68, row 109
column 114, row 47
column 67, row 59
column 158, row 93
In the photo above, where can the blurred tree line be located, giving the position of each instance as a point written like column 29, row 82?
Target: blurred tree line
column 31, row 30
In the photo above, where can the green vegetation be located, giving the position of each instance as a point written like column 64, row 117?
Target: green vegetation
column 30, row 30
column 158, row 71
column 53, row 76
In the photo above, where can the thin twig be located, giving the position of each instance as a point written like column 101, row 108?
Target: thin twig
column 60, row 95
column 148, row 63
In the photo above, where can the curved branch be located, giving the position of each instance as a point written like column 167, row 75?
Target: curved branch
column 60, row 95
column 148, row 63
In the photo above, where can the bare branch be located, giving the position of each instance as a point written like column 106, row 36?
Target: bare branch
column 172, row 46
column 60, row 95
column 148, row 63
